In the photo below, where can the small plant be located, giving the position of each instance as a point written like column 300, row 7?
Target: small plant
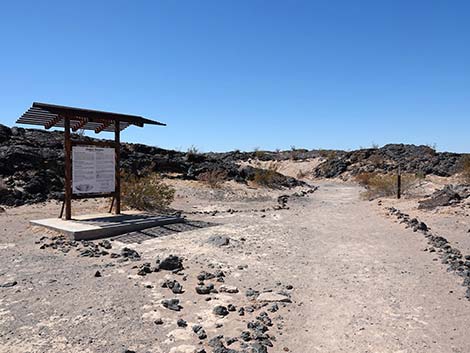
column 465, row 168
column 327, row 154
column 192, row 151
column 363, row 178
column 421, row 175
column 267, row 177
column 382, row 185
column 375, row 146
column 302, row 174
column 213, row 178
column 294, row 153
column 146, row 193
column 377, row 160
column 258, row 153
column 193, row 154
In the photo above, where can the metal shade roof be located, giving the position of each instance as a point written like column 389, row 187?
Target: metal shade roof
column 50, row 115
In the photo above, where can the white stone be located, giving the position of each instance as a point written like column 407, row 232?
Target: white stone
column 273, row 297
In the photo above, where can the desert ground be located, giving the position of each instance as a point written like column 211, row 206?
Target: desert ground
column 326, row 272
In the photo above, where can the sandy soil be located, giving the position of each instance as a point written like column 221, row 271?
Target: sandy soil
column 361, row 282
column 301, row 169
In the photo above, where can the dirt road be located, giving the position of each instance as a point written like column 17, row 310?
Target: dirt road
column 361, row 283
column 365, row 283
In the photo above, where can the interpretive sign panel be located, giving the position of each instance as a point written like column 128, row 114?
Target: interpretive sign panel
column 93, row 170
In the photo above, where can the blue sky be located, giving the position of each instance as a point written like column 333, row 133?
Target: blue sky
column 242, row 74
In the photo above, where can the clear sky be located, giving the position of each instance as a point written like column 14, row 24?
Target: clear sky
column 248, row 73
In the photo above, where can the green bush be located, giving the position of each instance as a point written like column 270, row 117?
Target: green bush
column 146, row 193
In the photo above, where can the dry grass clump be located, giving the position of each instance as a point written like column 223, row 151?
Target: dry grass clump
column 213, row 178
column 363, row 178
column 192, row 153
column 267, row 177
column 465, row 168
column 258, row 153
column 294, row 153
column 382, row 185
column 146, row 193
column 302, row 174
column 327, row 154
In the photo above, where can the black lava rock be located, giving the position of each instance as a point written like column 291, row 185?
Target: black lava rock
column 181, row 323
column 171, row 263
column 220, row 310
column 172, row 304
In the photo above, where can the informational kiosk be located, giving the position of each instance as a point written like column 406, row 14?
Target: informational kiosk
column 92, row 168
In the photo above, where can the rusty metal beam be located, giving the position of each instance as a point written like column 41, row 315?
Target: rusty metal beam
column 52, row 122
column 82, row 122
column 103, row 126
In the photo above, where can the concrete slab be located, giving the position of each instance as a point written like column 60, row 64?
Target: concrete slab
column 103, row 225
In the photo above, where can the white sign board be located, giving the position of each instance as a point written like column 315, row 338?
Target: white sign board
column 92, row 170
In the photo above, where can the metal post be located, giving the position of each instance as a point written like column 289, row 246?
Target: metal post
column 117, row 149
column 399, row 183
column 68, row 170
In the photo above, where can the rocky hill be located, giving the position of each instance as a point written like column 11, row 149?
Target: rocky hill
column 32, row 164
column 410, row 158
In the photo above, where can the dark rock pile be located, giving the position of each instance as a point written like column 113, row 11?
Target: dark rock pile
column 449, row 195
column 410, row 158
column 281, row 204
column 452, row 257
column 254, row 338
column 32, row 164
column 86, row 248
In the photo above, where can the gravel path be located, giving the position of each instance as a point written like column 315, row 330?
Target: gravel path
column 361, row 283
column 366, row 285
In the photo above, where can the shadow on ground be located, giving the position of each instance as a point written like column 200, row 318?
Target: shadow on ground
column 161, row 231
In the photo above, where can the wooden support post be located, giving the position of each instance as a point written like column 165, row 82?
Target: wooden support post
column 68, row 170
column 117, row 149
column 112, row 205
column 398, row 183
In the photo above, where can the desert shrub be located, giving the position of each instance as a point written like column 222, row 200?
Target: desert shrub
column 294, row 153
column 192, row 150
column 146, row 193
column 382, row 185
column 193, row 154
column 302, row 174
column 363, row 178
column 213, row 178
column 465, row 168
column 268, row 176
column 327, row 154
column 420, row 175
column 258, row 153
column 376, row 160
